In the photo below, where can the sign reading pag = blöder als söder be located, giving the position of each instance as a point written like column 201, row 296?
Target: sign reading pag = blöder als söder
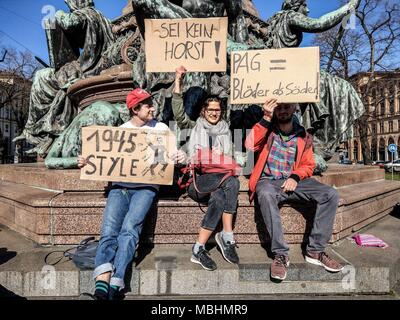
column 289, row 75
column 128, row 155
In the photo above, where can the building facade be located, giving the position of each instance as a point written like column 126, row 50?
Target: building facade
column 383, row 110
column 14, row 106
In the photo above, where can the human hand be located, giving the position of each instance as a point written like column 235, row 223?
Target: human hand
column 180, row 73
column 269, row 107
column 179, row 157
column 217, row 150
column 81, row 162
column 289, row 185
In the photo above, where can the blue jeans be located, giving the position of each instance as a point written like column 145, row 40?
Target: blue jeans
column 123, row 219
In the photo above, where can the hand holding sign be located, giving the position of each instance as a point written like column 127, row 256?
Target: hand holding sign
column 81, row 162
column 179, row 75
column 269, row 108
column 179, row 157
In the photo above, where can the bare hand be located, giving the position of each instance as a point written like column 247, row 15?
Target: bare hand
column 217, row 150
column 81, row 162
column 180, row 73
column 268, row 108
column 289, row 185
column 179, row 157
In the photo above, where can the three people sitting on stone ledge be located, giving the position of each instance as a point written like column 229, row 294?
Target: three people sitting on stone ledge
column 282, row 173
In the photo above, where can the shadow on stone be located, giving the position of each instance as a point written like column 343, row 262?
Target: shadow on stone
column 7, row 294
column 308, row 213
column 275, row 280
column 6, row 255
column 146, row 240
column 262, row 232
column 306, row 210
column 396, row 211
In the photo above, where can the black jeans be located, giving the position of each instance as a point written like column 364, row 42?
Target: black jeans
column 224, row 199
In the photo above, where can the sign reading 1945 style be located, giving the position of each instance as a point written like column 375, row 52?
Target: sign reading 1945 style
column 128, row 155
column 289, row 75
column 197, row 44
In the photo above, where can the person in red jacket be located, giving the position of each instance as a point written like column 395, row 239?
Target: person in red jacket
column 283, row 173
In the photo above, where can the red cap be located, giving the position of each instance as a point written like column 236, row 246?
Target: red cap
column 135, row 97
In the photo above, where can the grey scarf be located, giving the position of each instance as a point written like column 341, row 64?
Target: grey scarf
column 219, row 133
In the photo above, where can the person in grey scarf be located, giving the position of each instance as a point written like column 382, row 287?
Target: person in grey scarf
column 210, row 131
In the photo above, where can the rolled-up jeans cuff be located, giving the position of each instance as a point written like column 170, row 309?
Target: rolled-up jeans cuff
column 117, row 282
column 103, row 268
column 230, row 211
column 208, row 228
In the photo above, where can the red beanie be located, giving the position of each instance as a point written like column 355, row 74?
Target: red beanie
column 135, row 97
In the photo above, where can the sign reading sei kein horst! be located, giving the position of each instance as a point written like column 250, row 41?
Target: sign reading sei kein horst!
column 128, row 155
column 289, row 75
column 197, row 44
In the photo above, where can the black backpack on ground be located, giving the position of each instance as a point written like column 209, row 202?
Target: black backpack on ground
column 82, row 255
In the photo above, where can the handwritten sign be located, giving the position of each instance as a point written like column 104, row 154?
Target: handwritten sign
column 197, row 44
column 289, row 75
column 128, row 155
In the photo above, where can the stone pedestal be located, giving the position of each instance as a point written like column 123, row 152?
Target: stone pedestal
column 56, row 207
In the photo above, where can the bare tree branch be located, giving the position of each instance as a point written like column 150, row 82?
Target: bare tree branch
column 368, row 50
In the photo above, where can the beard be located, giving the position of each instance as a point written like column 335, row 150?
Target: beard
column 285, row 121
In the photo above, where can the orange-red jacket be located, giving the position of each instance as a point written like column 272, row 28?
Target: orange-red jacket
column 258, row 142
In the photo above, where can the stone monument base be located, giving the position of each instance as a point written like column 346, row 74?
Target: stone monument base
column 55, row 207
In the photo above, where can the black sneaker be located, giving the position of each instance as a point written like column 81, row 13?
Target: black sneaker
column 228, row 249
column 89, row 296
column 203, row 259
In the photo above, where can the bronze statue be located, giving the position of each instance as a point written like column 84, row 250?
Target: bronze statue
column 340, row 104
column 82, row 44
column 286, row 27
column 63, row 153
column 77, row 43
column 164, row 9
column 196, row 84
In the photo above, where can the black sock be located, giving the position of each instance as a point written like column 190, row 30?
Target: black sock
column 102, row 290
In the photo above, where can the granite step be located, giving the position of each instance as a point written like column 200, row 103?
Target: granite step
column 69, row 180
column 53, row 217
column 166, row 270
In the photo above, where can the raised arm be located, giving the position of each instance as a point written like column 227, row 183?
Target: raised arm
column 326, row 22
column 182, row 119
column 257, row 137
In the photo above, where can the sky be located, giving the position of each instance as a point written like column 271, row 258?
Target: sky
column 20, row 20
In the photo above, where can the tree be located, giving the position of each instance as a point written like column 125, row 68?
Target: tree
column 16, row 75
column 365, row 50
